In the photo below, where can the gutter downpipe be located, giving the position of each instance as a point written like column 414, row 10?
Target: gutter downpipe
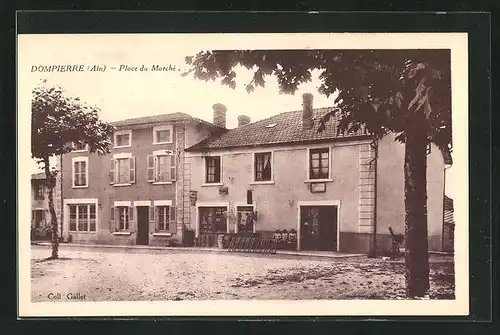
column 373, row 249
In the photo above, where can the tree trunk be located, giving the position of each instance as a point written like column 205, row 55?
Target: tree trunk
column 51, row 181
column 416, row 248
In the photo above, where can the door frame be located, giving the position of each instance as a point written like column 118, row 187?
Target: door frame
column 210, row 204
column 317, row 203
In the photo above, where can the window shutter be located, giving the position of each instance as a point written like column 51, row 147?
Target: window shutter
column 151, row 168
column 152, row 224
column 112, row 172
column 173, row 222
column 131, row 219
column 132, row 169
column 112, row 220
column 172, row 167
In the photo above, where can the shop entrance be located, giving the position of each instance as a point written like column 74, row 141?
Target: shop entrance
column 318, row 228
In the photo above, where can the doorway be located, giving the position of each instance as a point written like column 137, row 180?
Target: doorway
column 318, row 228
column 142, row 225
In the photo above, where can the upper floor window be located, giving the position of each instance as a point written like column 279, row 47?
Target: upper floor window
column 263, row 166
column 39, row 189
column 123, row 138
column 80, row 172
column 213, row 169
column 161, row 168
column 122, row 170
column 163, row 134
column 80, row 146
column 319, row 163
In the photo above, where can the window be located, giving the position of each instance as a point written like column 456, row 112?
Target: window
column 161, row 168
column 82, row 218
column 122, row 170
column 80, row 146
column 162, row 134
column 213, row 219
column 38, row 217
column 163, row 218
column 245, row 217
column 123, row 138
column 263, row 166
column 80, row 172
column 212, row 168
column 39, row 188
column 124, row 214
column 319, row 163
column 428, row 149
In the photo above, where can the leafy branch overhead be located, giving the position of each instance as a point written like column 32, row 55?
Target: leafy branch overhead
column 58, row 120
column 379, row 88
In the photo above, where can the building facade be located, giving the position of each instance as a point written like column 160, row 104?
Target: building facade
column 139, row 193
column 40, row 214
column 335, row 191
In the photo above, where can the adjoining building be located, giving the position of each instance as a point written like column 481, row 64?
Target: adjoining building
column 139, row 193
column 40, row 214
column 339, row 192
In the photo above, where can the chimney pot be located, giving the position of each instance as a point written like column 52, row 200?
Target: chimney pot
column 219, row 115
column 307, row 110
column 243, row 120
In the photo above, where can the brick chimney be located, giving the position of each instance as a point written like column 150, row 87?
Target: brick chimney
column 219, row 115
column 243, row 120
column 307, row 110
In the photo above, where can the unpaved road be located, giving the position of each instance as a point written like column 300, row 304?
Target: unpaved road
column 98, row 275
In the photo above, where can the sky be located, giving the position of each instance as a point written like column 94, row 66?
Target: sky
column 128, row 94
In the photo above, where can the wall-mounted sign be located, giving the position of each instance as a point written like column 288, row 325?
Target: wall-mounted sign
column 163, row 152
column 318, row 187
column 223, row 190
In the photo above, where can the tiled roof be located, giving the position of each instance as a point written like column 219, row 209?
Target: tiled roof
column 279, row 129
column 38, row 176
column 171, row 117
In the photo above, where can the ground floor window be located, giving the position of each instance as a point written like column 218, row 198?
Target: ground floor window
column 82, row 217
column 124, row 214
column 245, row 219
column 213, row 219
column 38, row 218
column 163, row 218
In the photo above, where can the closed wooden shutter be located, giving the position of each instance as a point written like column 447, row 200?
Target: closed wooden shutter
column 151, row 168
column 112, row 172
column 132, row 170
column 131, row 218
column 172, row 166
column 112, row 225
column 173, row 222
column 152, row 224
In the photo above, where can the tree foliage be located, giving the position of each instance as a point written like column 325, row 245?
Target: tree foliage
column 58, row 120
column 380, row 88
column 405, row 92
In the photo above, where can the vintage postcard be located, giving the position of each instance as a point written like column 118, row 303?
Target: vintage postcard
column 243, row 174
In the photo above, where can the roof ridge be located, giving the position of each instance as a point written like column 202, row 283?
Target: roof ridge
column 153, row 115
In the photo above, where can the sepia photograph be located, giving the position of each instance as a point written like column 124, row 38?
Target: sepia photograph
column 243, row 173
